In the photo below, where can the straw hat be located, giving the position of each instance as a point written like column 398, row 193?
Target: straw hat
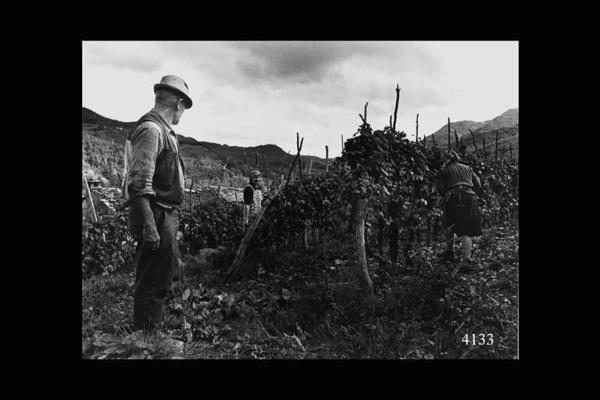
column 177, row 85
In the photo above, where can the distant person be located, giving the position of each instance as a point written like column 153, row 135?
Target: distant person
column 456, row 183
column 248, row 201
column 153, row 187
column 253, row 195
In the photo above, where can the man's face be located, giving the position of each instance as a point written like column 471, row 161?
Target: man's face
column 179, row 112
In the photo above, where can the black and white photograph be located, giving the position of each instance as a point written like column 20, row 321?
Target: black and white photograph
column 295, row 200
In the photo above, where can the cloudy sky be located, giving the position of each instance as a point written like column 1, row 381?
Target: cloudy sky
column 252, row 93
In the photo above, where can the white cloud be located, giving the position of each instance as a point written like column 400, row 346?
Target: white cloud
column 252, row 93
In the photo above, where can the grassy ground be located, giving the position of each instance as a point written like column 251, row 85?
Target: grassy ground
column 310, row 307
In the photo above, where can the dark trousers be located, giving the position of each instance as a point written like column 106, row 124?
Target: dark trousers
column 155, row 270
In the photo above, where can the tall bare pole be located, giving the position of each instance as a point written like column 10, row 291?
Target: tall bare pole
column 497, row 132
column 417, row 130
column 326, row 159
column 396, row 107
column 342, row 143
column 89, row 194
column 456, row 138
column 448, row 133
column 298, row 147
column 474, row 143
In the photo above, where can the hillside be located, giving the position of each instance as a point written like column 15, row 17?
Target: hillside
column 103, row 141
column 506, row 124
column 507, row 119
column 462, row 128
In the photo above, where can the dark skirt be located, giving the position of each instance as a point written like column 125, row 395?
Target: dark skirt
column 463, row 214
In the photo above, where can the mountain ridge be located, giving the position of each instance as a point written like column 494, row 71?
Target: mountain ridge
column 103, row 141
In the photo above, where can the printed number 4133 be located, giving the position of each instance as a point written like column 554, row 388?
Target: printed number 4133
column 482, row 339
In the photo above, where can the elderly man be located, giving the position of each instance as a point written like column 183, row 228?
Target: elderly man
column 456, row 183
column 153, row 187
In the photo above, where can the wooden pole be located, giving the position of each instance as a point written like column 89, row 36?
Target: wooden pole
column 241, row 251
column 417, row 130
column 391, row 122
column 456, row 139
column 396, row 107
column 359, row 211
column 474, row 144
column 299, row 159
column 89, row 194
column 497, row 131
column 326, row 159
column 448, row 133
column 342, row 143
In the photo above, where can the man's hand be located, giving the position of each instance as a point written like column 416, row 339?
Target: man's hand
column 150, row 237
column 141, row 223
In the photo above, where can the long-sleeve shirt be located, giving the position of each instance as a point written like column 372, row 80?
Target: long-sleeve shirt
column 140, row 159
column 456, row 174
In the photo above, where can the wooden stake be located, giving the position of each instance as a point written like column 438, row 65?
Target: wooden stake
column 474, row 144
column 448, row 133
column 326, row 159
column 456, row 139
column 417, row 130
column 497, row 131
column 298, row 146
column 241, row 251
column 342, row 143
column 89, row 194
column 396, row 107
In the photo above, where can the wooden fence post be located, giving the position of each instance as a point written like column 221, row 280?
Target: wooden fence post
column 326, row 159
column 448, row 133
column 417, row 130
column 497, row 131
column 396, row 107
column 456, row 139
column 89, row 193
column 474, row 143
